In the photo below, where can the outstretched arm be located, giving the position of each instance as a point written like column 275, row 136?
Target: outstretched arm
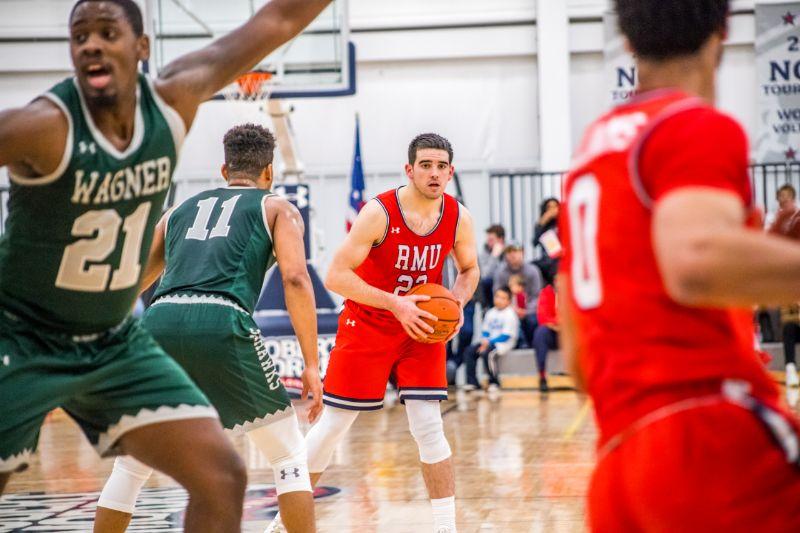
column 287, row 235
column 708, row 258
column 368, row 229
column 194, row 78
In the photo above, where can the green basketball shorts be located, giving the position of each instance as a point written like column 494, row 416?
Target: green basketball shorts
column 108, row 383
column 219, row 345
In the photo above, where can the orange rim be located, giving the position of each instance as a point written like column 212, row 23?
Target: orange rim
column 250, row 84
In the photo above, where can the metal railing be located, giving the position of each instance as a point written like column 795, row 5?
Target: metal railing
column 515, row 197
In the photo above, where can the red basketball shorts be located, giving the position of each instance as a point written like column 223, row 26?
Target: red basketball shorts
column 369, row 348
column 712, row 468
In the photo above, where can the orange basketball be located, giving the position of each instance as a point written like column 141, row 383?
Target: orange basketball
column 443, row 305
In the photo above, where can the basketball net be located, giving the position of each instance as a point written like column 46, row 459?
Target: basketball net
column 250, row 87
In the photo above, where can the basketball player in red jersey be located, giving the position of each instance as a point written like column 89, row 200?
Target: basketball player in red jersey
column 663, row 264
column 399, row 239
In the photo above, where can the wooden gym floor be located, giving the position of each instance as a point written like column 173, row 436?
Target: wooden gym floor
column 522, row 462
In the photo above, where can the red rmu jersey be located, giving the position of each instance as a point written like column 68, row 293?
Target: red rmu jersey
column 639, row 349
column 403, row 258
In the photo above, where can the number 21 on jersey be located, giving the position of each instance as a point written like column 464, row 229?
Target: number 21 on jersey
column 584, row 218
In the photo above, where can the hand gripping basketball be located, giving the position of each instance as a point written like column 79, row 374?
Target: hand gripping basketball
column 444, row 306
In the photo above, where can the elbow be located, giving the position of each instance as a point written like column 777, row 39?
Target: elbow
column 332, row 281
column 688, row 274
column 296, row 279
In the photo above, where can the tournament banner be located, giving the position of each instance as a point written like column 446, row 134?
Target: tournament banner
column 620, row 69
column 778, row 75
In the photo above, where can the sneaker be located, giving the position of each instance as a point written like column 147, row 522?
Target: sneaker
column 493, row 387
column 276, row 526
column 792, row 396
column 792, row 379
column 468, row 387
column 543, row 387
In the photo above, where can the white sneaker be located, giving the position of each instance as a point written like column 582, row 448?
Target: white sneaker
column 468, row 387
column 276, row 526
column 792, row 396
column 493, row 387
column 792, row 379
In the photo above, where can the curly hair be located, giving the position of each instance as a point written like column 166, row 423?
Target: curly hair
column 249, row 149
column 662, row 29
column 428, row 140
column 131, row 9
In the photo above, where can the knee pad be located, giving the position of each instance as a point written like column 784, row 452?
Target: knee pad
column 285, row 448
column 427, row 428
column 326, row 434
column 124, row 484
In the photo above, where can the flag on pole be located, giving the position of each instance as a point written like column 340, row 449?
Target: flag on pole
column 356, row 199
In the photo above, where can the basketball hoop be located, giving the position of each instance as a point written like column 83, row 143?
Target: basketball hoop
column 251, row 87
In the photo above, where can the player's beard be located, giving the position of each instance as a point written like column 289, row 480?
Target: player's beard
column 102, row 101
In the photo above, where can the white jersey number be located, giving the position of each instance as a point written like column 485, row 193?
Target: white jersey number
column 101, row 229
column 406, row 282
column 199, row 230
column 584, row 216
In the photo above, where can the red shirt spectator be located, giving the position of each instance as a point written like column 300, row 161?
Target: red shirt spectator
column 787, row 221
column 546, row 311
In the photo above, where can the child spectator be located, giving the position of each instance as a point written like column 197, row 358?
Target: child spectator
column 546, row 336
column 519, row 300
column 499, row 336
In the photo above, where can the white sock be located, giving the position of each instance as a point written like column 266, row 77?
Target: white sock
column 444, row 513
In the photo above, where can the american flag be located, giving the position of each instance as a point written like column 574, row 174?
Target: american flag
column 356, row 199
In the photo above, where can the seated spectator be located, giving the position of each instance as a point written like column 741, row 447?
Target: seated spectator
column 546, row 336
column 546, row 240
column 489, row 259
column 519, row 300
column 787, row 209
column 514, row 264
column 499, row 336
column 790, row 318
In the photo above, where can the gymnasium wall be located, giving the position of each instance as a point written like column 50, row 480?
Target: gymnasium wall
column 464, row 68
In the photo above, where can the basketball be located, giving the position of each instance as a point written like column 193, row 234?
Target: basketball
column 443, row 305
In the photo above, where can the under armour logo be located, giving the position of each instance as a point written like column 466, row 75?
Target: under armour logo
column 6, row 360
column 83, row 147
column 351, row 323
column 295, row 472
column 395, row 230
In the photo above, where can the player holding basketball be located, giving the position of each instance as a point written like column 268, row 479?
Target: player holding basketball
column 664, row 263
column 214, row 250
column 90, row 163
column 399, row 239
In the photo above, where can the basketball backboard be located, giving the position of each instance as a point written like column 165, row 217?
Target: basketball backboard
column 319, row 62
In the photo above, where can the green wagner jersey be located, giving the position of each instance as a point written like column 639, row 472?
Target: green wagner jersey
column 218, row 243
column 76, row 241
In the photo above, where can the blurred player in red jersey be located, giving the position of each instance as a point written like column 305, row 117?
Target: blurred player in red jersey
column 661, row 271
column 399, row 239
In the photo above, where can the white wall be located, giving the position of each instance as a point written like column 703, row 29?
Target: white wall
column 476, row 85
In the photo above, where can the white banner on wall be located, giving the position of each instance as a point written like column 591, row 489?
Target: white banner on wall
column 619, row 64
column 778, row 75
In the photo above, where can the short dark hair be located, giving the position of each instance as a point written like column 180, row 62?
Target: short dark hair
column 788, row 187
column 428, row 140
column 498, row 230
column 131, row 9
column 506, row 289
column 249, row 149
column 660, row 29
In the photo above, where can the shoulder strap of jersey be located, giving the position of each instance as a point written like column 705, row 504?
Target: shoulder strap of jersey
column 658, row 118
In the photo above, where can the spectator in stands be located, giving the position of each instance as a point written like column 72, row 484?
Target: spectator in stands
column 787, row 211
column 519, row 300
column 546, row 240
column 489, row 259
column 546, row 336
column 498, row 337
column 514, row 264
column 790, row 318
